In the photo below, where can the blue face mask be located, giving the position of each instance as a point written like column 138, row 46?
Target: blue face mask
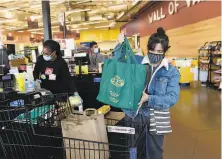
column 47, row 58
column 96, row 50
column 155, row 58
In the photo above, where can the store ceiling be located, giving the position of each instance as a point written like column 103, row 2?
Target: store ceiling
column 80, row 14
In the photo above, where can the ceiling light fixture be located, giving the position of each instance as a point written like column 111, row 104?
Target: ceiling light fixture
column 118, row 6
column 35, row 17
column 135, row 2
column 9, row 9
column 106, row 26
column 73, row 26
column 83, row 2
column 94, row 11
column 10, row 28
column 56, row 31
column 109, row 16
column 80, row 29
column 35, row 6
column 54, row 26
column 120, row 15
column 34, row 29
column 112, row 24
column 77, row 11
column 56, row 2
column 6, row 1
column 54, row 22
column 8, row 20
column 87, row 23
column 36, row 33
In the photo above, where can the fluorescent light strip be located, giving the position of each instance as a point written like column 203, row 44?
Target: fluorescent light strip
column 35, row 6
column 55, row 22
column 107, row 26
column 135, row 2
column 35, row 17
column 56, row 2
column 20, row 31
column 120, row 15
column 11, row 27
column 34, row 29
column 80, row 29
column 8, row 20
column 87, row 23
column 112, row 23
column 117, row 6
column 82, row 2
column 9, row 9
column 37, row 33
column 54, row 26
column 77, row 11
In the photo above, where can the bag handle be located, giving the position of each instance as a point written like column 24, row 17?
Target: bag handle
column 90, row 109
column 128, row 55
column 148, row 78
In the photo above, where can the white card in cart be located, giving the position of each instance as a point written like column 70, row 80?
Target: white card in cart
column 122, row 130
column 52, row 77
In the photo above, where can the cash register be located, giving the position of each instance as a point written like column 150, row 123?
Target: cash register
column 7, row 85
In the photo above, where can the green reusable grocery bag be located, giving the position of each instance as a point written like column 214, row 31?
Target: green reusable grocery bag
column 123, row 79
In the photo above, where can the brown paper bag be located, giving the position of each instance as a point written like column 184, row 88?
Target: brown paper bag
column 92, row 129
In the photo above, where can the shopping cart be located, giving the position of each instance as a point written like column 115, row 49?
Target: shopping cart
column 33, row 131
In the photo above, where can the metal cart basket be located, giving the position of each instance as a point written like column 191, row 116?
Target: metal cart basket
column 33, row 131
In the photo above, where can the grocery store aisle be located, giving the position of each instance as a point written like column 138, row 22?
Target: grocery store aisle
column 196, row 121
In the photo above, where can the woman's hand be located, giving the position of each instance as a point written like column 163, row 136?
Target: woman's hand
column 143, row 99
column 121, row 38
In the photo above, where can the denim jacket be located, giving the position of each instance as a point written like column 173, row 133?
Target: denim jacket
column 163, row 89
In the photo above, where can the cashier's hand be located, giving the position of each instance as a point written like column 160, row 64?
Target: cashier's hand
column 95, row 70
column 143, row 99
column 38, row 85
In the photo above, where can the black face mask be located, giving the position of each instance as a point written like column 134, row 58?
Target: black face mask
column 155, row 58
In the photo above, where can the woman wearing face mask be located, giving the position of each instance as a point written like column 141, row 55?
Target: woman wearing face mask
column 52, row 71
column 95, row 57
column 161, row 93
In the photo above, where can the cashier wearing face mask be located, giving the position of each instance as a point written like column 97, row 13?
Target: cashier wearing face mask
column 51, row 70
column 95, row 57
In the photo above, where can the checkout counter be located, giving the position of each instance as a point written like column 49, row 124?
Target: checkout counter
column 88, row 83
column 88, row 88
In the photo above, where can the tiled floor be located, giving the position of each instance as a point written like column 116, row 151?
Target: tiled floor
column 196, row 122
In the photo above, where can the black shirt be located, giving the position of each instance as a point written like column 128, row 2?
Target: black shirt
column 55, row 75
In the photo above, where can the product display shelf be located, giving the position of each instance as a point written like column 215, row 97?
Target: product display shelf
column 203, row 64
column 71, row 64
column 210, row 55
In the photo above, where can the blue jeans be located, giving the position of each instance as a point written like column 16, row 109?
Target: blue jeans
column 154, row 142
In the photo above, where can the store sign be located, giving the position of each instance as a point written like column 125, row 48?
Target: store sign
column 173, row 6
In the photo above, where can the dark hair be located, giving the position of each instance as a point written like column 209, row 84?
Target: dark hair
column 53, row 46
column 93, row 43
column 158, row 37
